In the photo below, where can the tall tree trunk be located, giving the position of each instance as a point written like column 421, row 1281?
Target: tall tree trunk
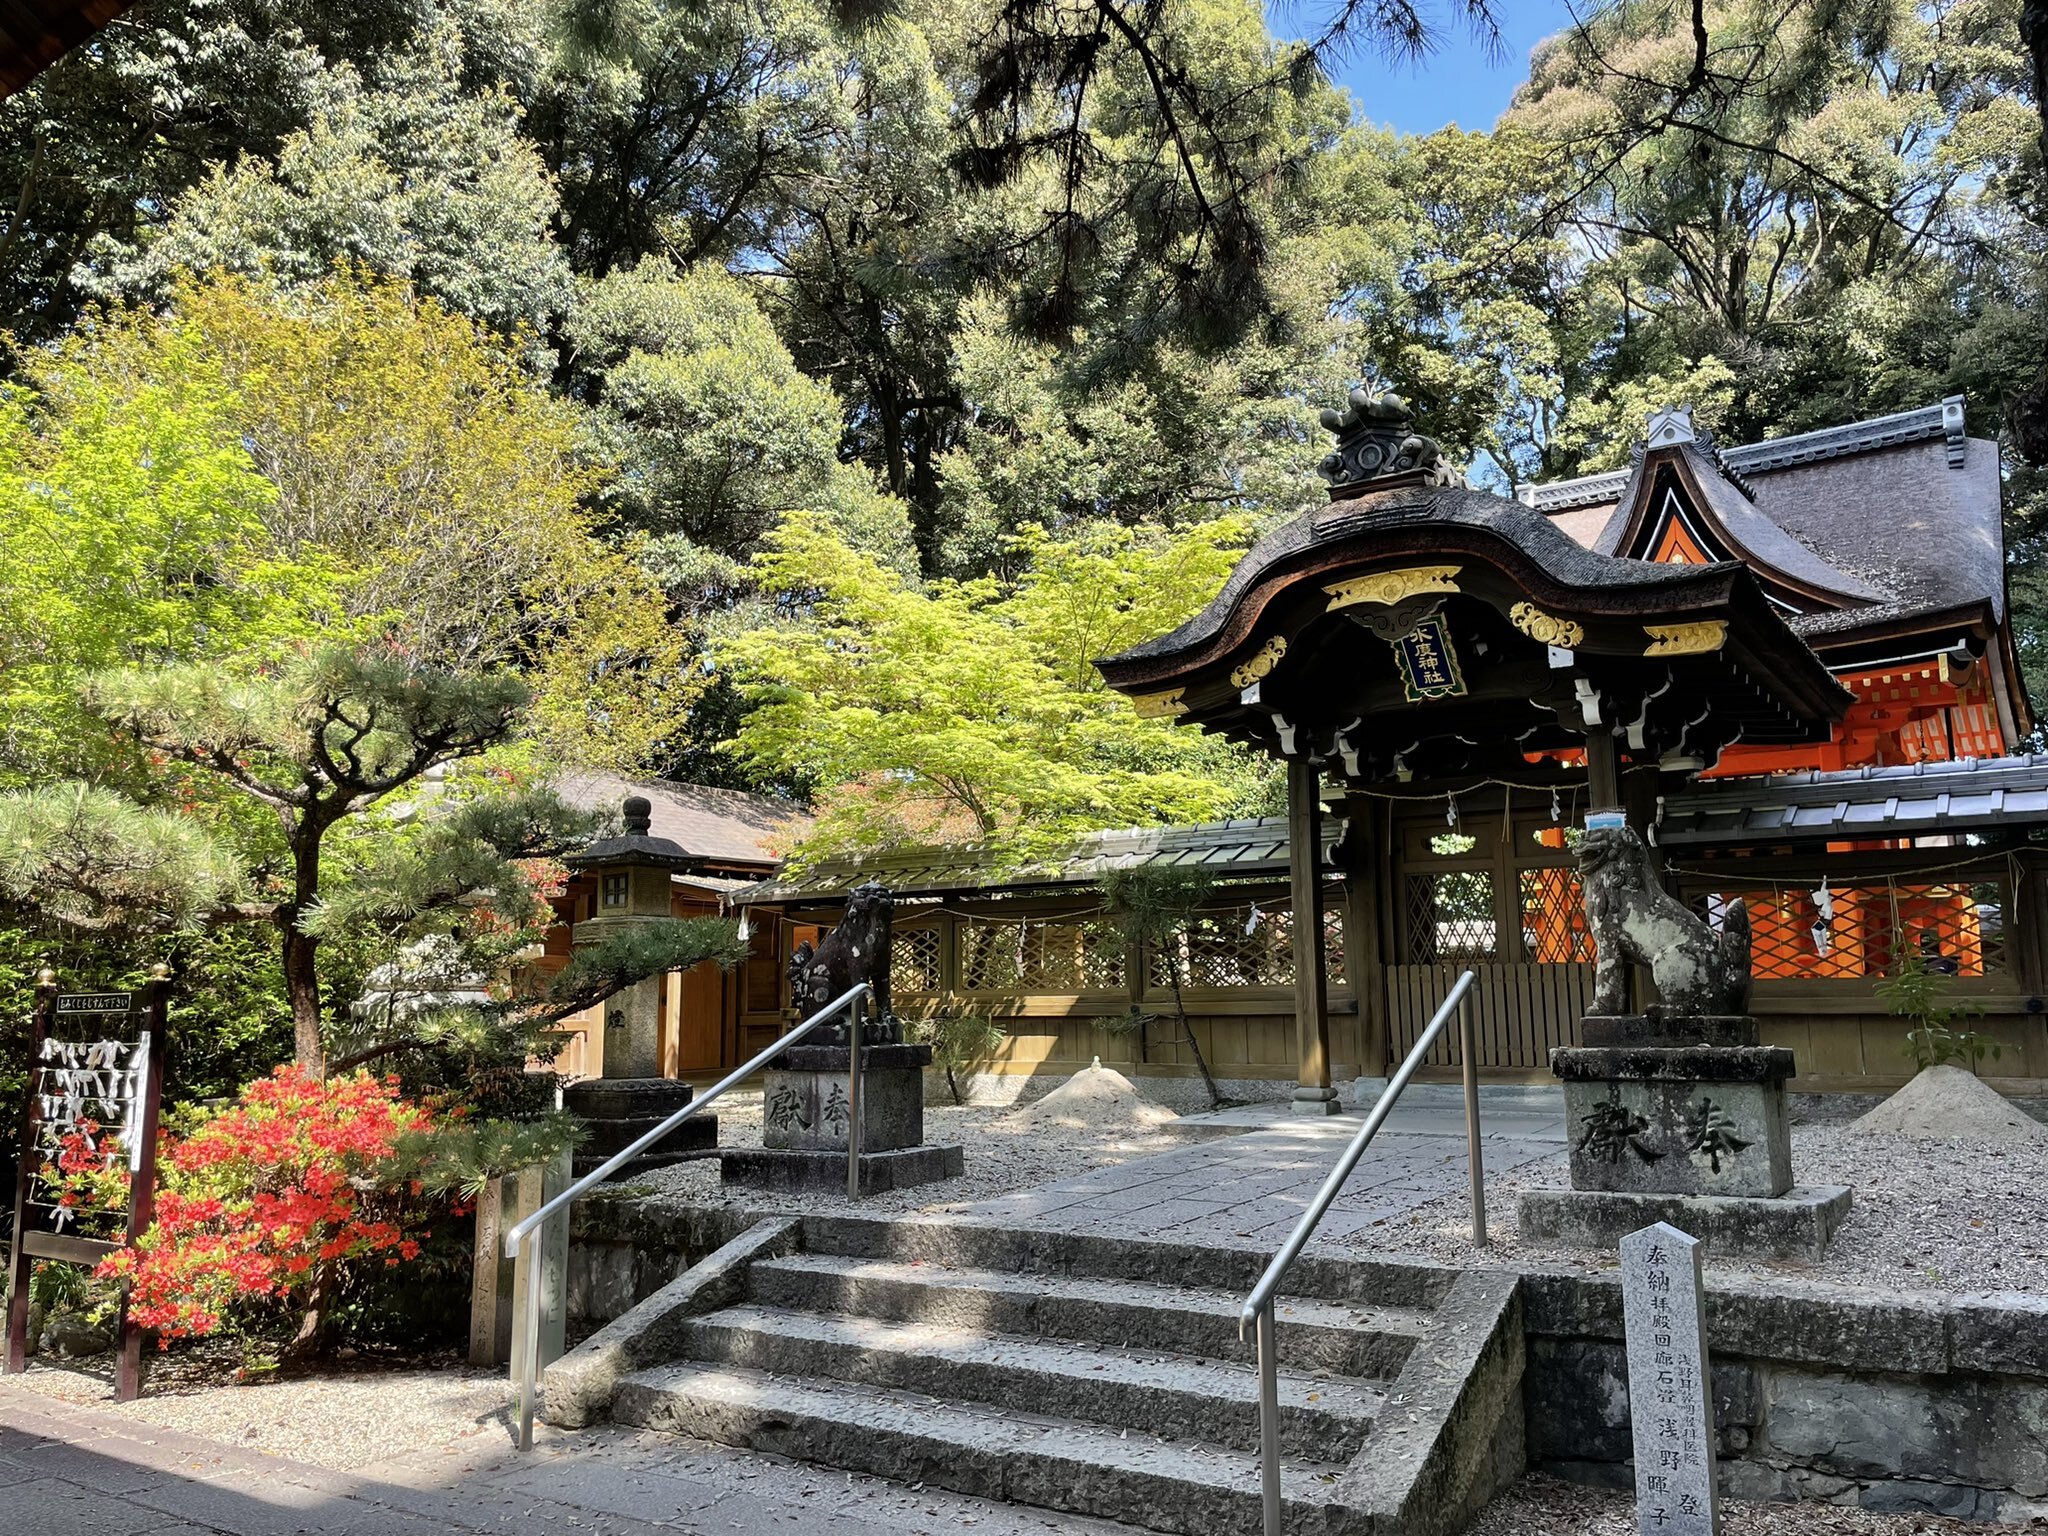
column 301, row 970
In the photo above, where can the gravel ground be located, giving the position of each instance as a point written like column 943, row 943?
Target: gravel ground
column 344, row 1420
column 1001, row 1156
column 1542, row 1506
column 1943, row 1216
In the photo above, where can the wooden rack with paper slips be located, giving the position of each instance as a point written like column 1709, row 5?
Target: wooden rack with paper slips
column 96, row 1067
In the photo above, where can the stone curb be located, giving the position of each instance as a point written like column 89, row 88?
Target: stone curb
column 577, row 1389
column 1798, row 1224
column 1989, row 1332
column 1450, row 1435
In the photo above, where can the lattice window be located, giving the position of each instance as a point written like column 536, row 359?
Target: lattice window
column 1035, row 957
column 1871, row 930
column 1554, row 930
column 914, row 960
column 1225, row 948
column 1451, row 918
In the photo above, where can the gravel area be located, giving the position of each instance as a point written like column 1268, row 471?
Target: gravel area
column 1542, row 1506
column 1003, row 1153
column 346, row 1419
column 1942, row 1216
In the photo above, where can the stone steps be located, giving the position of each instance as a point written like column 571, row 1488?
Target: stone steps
column 1323, row 1418
column 1078, row 1373
column 977, row 1449
column 1343, row 1338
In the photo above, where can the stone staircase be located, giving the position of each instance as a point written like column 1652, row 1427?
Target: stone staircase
column 1077, row 1374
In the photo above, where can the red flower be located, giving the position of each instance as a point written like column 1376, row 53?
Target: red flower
column 297, row 1174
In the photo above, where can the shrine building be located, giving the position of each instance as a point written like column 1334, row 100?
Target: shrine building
column 1788, row 662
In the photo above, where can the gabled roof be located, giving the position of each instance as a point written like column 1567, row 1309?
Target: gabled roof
column 1924, row 424
column 1688, row 470
column 1901, row 515
column 717, row 826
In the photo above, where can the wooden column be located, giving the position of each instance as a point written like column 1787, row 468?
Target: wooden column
column 1313, row 1094
column 1603, row 769
column 1365, row 872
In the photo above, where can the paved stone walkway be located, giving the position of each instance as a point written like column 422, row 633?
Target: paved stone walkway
column 1252, row 1188
column 67, row 1470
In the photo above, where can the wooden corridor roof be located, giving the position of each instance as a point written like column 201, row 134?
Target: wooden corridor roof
column 34, row 34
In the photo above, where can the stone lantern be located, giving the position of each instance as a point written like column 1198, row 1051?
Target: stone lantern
column 632, row 1097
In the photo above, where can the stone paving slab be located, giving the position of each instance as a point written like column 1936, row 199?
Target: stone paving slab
column 60, row 1462
column 1253, row 1187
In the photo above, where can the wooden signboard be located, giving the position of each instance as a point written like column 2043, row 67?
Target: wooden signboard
column 95, row 1058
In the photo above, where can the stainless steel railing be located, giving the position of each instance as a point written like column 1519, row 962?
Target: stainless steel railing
column 521, row 1252
column 1258, row 1307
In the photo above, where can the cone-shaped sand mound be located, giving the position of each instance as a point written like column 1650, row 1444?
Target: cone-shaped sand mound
column 1950, row 1104
column 1096, row 1098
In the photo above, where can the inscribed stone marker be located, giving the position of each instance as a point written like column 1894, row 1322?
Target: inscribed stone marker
column 1670, row 1388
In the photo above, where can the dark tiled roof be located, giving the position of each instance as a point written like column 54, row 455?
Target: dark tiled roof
column 35, row 33
column 1756, row 533
column 1929, row 535
column 1570, row 562
column 1973, row 794
column 1906, row 506
column 1229, row 849
column 1943, row 422
column 722, row 826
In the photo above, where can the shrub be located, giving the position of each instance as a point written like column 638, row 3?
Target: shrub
column 269, row 1200
column 1925, row 998
column 959, row 1042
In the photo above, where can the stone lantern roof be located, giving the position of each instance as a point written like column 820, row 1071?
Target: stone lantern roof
column 637, row 849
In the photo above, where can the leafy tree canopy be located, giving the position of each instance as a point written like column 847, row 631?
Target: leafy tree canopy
column 967, row 710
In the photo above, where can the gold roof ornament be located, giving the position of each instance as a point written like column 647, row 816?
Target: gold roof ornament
column 1685, row 639
column 1160, row 706
column 1262, row 661
column 1545, row 628
column 1391, row 587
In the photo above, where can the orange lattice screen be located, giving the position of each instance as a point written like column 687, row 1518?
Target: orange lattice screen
column 1554, row 930
column 1867, row 930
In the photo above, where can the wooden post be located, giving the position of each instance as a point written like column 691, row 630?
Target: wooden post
column 19, row 1263
column 142, row 1184
column 1364, row 963
column 1603, row 769
column 1313, row 1094
column 1639, row 800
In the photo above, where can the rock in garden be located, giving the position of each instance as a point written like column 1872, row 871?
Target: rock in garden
column 72, row 1337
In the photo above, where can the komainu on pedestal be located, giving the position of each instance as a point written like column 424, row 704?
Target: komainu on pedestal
column 808, row 1108
column 1675, row 1113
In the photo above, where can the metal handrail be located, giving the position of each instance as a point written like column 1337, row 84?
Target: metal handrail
column 1258, row 1307
column 516, row 1245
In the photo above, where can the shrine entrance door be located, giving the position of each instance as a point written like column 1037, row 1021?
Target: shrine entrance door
column 1496, row 893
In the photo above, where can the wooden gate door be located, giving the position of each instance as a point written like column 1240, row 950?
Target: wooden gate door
column 1496, row 894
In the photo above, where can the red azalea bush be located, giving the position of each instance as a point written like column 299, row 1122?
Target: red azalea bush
column 271, row 1198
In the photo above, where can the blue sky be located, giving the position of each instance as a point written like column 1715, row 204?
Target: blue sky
column 1457, row 83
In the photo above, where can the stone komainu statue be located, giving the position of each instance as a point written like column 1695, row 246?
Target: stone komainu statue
column 1697, row 970
column 857, row 950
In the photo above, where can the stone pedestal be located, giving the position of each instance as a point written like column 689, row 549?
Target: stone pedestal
column 804, row 1098
column 618, row 1111
column 1668, row 1113
column 807, row 1117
